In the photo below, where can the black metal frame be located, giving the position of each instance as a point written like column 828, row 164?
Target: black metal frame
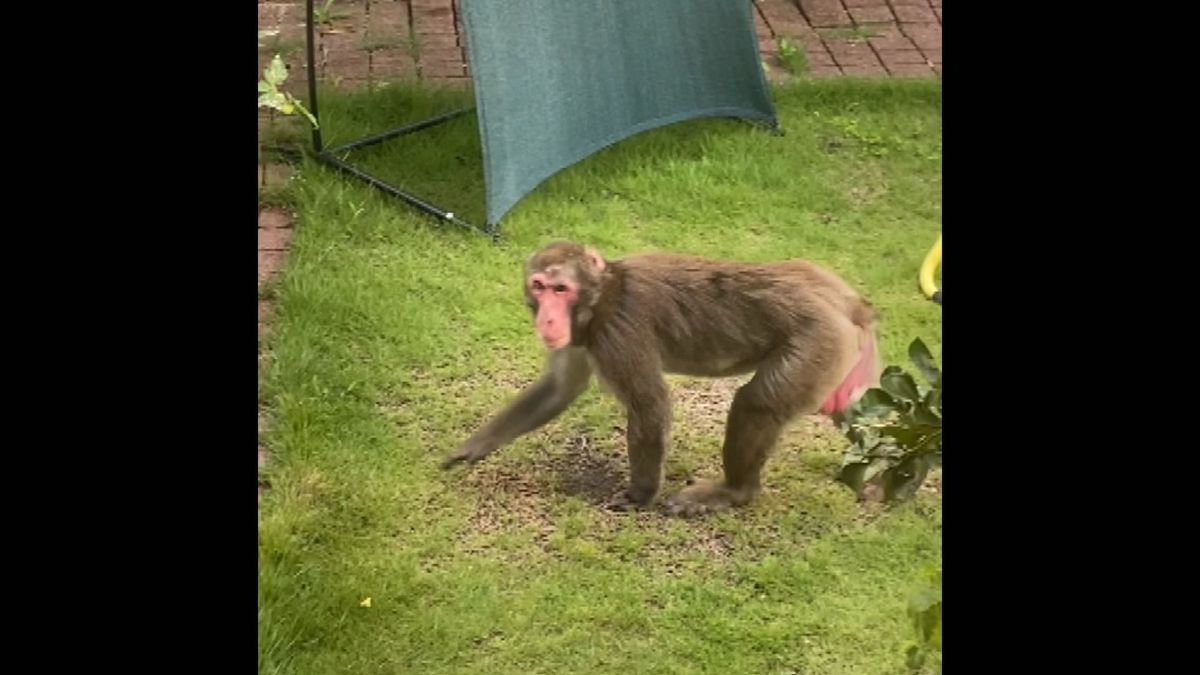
column 328, row 155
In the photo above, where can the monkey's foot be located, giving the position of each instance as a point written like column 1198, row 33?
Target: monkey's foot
column 706, row 496
column 623, row 502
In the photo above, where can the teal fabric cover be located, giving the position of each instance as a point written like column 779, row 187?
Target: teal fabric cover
column 557, row 80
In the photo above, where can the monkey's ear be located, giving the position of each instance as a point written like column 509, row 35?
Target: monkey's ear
column 595, row 259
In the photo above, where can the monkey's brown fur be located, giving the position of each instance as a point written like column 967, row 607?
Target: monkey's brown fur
column 801, row 328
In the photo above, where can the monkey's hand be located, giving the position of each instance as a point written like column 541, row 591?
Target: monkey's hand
column 470, row 452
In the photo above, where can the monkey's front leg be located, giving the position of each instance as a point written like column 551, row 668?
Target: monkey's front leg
column 647, row 430
column 565, row 378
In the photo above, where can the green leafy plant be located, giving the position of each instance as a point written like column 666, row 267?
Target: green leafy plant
column 925, row 612
column 270, row 96
column 792, row 55
column 325, row 14
column 895, row 432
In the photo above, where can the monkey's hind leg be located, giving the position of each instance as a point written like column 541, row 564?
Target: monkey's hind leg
column 781, row 389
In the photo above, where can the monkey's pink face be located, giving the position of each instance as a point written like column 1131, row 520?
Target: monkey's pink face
column 554, row 295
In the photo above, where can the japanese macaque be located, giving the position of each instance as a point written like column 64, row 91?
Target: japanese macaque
column 807, row 336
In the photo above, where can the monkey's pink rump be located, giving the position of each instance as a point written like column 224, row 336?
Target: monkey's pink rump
column 859, row 379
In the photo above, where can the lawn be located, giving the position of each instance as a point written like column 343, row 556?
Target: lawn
column 394, row 336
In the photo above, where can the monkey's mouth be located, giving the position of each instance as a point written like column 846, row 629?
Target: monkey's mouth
column 553, row 343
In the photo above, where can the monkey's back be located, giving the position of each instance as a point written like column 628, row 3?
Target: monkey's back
column 720, row 318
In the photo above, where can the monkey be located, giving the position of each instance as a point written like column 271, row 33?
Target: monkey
column 809, row 338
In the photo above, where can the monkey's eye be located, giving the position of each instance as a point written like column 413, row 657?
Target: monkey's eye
column 539, row 286
column 560, row 288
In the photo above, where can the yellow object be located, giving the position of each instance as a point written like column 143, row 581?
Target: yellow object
column 365, row 603
column 932, row 261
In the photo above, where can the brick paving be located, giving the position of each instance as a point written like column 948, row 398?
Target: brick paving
column 369, row 41
column 366, row 42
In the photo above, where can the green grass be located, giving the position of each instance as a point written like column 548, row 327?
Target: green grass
column 792, row 55
column 394, row 336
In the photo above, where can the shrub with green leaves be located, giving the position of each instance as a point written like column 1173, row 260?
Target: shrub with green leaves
column 895, row 431
column 925, row 611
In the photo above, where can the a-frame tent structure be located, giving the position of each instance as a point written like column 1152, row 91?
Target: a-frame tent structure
column 557, row 80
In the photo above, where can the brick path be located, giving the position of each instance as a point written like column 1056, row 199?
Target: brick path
column 368, row 41
column 365, row 42
column 893, row 38
column 274, row 233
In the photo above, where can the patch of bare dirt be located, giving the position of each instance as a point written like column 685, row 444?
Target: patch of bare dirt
column 520, row 499
column 514, row 500
column 869, row 511
column 703, row 404
column 588, row 471
column 867, row 190
column 714, row 544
